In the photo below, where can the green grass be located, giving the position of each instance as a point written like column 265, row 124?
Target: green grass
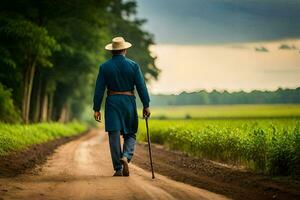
column 14, row 137
column 270, row 146
column 226, row 111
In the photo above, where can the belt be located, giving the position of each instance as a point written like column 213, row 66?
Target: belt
column 111, row 92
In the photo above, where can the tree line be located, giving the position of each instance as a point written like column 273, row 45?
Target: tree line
column 50, row 51
column 280, row 96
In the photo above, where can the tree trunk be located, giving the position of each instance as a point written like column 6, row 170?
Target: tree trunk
column 64, row 114
column 36, row 97
column 50, row 106
column 44, row 108
column 27, row 84
column 25, row 92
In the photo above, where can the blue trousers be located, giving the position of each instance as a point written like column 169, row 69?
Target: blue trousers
column 115, row 148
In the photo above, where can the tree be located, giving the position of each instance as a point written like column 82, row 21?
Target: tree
column 34, row 44
column 125, row 23
column 52, row 51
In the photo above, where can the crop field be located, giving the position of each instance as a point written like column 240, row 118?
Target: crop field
column 265, row 145
column 14, row 137
column 226, row 111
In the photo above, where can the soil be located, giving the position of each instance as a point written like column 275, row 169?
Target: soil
column 82, row 169
column 20, row 161
column 227, row 180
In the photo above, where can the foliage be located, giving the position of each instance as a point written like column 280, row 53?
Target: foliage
column 17, row 137
column 30, row 38
column 270, row 146
column 125, row 23
column 8, row 113
column 50, row 52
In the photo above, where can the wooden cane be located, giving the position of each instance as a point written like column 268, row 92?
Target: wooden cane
column 149, row 147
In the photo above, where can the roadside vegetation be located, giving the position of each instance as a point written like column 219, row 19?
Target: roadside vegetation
column 8, row 113
column 16, row 137
column 270, row 146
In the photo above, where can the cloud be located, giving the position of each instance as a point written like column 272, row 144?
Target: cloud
column 220, row 21
column 287, row 47
column 261, row 49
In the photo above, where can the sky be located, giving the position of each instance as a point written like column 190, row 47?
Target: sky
column 224, row 44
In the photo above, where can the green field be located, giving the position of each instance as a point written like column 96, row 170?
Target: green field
column 268, row 145
column 227, row 111
column 14, row 137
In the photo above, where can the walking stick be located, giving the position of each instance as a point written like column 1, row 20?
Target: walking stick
column 149, row 147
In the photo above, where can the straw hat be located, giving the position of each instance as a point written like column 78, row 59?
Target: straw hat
column 118, row 43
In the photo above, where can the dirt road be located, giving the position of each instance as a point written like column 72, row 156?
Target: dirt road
column 82, row 169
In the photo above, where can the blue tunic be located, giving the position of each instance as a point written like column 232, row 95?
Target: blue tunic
column 120, row 74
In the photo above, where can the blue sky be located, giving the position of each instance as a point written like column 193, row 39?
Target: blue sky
column 220, row 21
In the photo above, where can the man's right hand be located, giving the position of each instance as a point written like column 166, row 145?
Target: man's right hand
column 146, row 112
column 97, row 116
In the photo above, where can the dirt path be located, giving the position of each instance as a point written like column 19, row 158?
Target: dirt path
column 233, row 182
column 82, row 169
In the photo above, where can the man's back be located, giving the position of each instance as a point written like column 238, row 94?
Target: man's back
column 119, row 73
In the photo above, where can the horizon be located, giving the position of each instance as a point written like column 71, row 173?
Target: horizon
column 225, row 90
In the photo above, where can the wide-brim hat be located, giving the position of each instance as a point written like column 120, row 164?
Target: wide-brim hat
column 118, row 43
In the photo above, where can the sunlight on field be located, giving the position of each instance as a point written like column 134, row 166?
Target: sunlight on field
column 226, row 111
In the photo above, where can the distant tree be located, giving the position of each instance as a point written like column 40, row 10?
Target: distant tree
column 216, row 97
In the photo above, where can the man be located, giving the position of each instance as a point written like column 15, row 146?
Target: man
column 120, row 76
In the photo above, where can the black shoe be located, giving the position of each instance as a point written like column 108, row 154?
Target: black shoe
column 125, row 166
column 118, row 173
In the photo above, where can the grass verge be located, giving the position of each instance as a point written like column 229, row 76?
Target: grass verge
column 17, row 137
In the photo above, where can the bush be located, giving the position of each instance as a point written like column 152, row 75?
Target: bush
column 8, row 112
